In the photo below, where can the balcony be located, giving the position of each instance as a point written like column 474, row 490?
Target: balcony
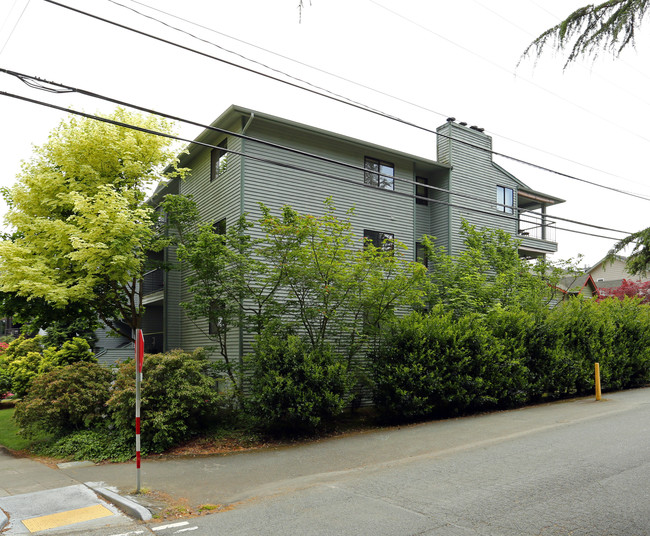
column 535, row 230
column 153, row 285
column 536, row 225
column 153, row 281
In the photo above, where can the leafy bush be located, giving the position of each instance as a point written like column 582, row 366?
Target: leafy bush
column 295, row 387
column 76, row 350
column 65, row 399
column 21, row 360
column 179, row 398
column 578, row 334
column 22, row 346
column 433, row 364
column 5, row 377
column 23, row 370
column 94, row 445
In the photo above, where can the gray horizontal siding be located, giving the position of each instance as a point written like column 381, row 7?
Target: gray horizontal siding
column 215, row 200
column 473, row 173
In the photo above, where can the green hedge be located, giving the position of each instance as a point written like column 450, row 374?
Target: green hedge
column 434, row 364
column 295, row 387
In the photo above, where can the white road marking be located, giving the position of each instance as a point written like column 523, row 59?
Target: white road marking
column 171, row 526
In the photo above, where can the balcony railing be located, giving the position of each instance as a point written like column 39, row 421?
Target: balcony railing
column 153, row 281
column 536, row 225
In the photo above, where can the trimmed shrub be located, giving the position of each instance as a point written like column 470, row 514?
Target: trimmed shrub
column 433, row 364
column 65, row 399
column 179, row 398
column 295, row 387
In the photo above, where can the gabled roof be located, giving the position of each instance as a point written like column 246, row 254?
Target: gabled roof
column 568, row 284
column 607, row 260
column 234, row 112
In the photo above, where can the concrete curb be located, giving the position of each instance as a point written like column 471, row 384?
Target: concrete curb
column 3, row 519
column 128, row 506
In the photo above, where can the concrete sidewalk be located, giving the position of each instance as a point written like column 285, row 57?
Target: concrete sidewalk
column 228, row 479
column 36, row 497
column 232, row 478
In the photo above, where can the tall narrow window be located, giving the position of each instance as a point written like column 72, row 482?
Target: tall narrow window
column 220, row 227
column 505, row 199
column 421, row 190
column 378, row 239
column 379, row 173
column 218, row 159
column 421, row 254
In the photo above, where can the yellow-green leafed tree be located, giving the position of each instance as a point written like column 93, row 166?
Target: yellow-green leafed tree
column 81, row 228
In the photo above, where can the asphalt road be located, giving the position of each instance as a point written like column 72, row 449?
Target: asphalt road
column 589, row 478
column 578, row 468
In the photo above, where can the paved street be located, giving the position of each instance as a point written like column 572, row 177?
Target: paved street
column 577, row 467
column 589, row 476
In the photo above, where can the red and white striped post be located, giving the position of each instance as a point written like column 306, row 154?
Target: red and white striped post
column 139, row 361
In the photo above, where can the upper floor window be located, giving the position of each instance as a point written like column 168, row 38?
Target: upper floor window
column 505, row 199
column 379, row 173
column 378, row 239
column 220, row 227
column 421, row 190
column 218, row 159
column 421, row 254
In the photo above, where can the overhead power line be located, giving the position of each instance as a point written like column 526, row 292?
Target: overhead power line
column 501, row 67
column 344, row 101
column 347, row 80
column 333, row 75
column 285, row 165
column 50, row 86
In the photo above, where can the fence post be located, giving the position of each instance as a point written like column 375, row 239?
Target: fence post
column 597, row 381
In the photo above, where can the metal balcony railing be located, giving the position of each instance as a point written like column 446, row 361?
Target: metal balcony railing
column 153, row 281
column 537, row 226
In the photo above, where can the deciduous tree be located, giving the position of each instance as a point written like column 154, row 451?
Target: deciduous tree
column 81, row 228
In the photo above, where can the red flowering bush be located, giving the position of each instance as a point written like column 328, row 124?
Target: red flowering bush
column 629, row 289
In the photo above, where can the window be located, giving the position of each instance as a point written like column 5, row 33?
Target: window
column 421, row 190
column 378, row 239
column 218, row 159
column 505, row 199
column 421, row 254
column 379, row 174
column 220, row 227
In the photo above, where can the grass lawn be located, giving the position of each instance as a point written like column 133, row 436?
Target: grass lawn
column 8, row 435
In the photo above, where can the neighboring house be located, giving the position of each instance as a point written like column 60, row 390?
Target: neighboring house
column 578, row 285
column 388, row 189
column 610, row 273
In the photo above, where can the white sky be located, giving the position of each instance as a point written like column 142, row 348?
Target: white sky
column 453, row 58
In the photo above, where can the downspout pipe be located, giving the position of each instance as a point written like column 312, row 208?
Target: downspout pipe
column 248, row 123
